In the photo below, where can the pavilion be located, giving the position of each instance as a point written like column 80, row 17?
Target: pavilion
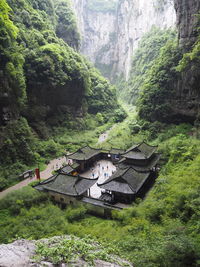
column 141, row 157
column 85, row 157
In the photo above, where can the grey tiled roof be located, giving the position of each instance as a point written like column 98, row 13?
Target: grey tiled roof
column 127, row 181
column 69, row 168
column 84, row 153
column 122, row 164
column 66, row 169
column 134, row 155
column 140, row 151
column 67, row 184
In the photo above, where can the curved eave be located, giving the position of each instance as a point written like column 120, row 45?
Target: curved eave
column 119, row 188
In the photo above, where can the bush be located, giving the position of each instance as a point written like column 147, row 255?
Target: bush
column 75, row 213
column 22, row 198
column 119, row 115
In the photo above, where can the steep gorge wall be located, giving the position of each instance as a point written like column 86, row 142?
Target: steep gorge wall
column 186, row 11
column 172, row 91
column 109, row 38
column 97, row 34
column 186, row 104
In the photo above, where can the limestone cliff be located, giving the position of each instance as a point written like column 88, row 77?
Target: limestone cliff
column 186, row 102
column 187, row 21
column 172, row 93
column 109, row 37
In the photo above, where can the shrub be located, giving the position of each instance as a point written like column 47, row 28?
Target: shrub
column 75, row 213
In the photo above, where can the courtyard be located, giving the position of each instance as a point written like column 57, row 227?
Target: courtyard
column 102, row 169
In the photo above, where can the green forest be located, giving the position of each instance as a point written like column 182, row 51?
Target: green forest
column 53, row 100
column 46, row 85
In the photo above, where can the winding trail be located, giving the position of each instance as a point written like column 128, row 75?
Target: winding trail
column 104, row 136
column 54, row 164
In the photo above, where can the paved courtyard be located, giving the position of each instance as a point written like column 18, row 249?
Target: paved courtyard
column 102, row 169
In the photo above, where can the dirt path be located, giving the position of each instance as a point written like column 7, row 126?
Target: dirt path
column 104, row 136
column 54, row 164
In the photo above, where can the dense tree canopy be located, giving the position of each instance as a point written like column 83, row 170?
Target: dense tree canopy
column 45, row 82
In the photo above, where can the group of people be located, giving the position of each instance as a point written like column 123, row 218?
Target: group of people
column 102, row 170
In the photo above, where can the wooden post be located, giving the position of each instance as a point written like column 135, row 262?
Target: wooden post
column 37, row 173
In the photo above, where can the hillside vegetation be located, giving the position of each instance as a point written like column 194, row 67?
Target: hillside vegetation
column 53, row 100
column 164, row 76
column 46, row 83
column 163, row 230
column 143, row 60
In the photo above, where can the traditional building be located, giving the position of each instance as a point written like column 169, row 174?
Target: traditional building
column 141, row 157
column 135, row 172
column 70, row 169
column 136, row 168
column 125, row 184
column 85, row 157
column 66, row 188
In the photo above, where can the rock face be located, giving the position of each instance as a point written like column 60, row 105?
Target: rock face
column 187, row 20
column 109, row 37
column 17, row 254
column 186, row 103
column 97, row 35
column 134, row 19
column 21, row 253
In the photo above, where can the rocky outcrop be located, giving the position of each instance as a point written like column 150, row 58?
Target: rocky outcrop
column 17, row 254
column 187, row 21
column 109, row 38
column 186, row 105
column 21, row 253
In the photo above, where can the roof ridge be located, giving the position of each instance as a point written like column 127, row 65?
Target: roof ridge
column 85, row 178
column 132, row 147
column 137, row 145
column 92, row 147
column 144, row 180
column 75, row 188
column 79, row 149
column 147, row 144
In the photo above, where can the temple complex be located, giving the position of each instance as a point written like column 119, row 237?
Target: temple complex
column 107, row 179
